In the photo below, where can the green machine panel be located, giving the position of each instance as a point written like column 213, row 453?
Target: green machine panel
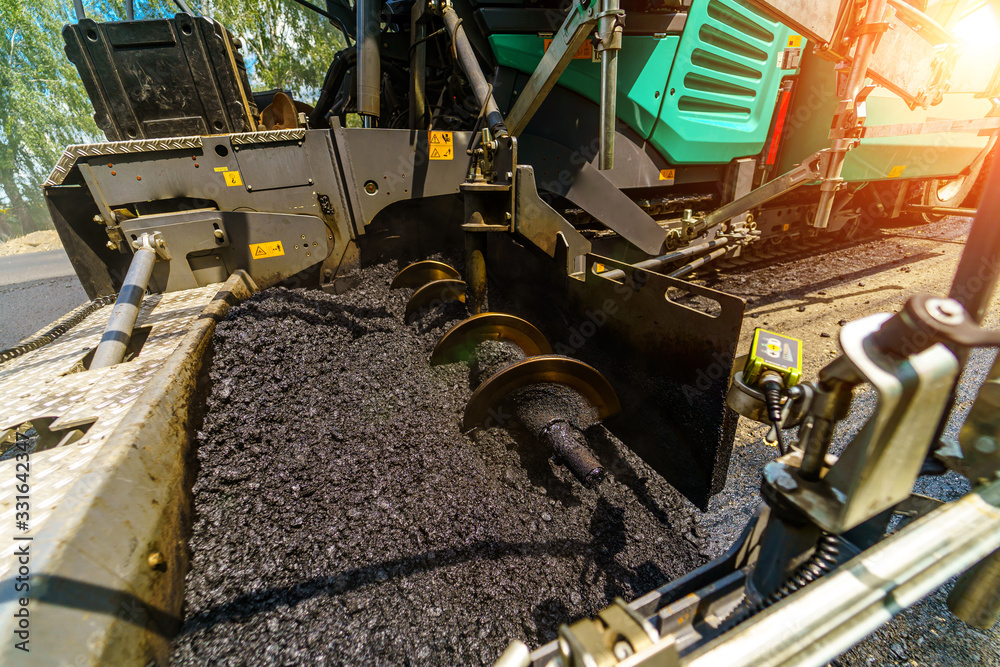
column 704, row 97
column 723, row 86
column 911, row 156
column 642, row 73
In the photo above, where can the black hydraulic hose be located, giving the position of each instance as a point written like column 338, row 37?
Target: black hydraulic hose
column 332, row 83
column 772, row 399
column 470, row 65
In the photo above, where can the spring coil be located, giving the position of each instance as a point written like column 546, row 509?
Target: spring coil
column 69, row 321
column 822, row 561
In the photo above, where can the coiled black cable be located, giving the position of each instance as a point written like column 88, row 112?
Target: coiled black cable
column 772, row 399
column 822, row 561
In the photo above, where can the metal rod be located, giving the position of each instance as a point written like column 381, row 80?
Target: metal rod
column 470, row 65
column 979, row 267
column 319, row 10
column 609, row 33
column 846, row 111
column 129, row 10
column 577, row 26
column 475, row 269
column 698, row 263
column 114, row 342
column 609, row 112
column 78, row 9
column 943, row 210
column 930, row 29
column 419, row 118
column 369, row 60
column 817, row 623
column 657, row 263
column 183, row 7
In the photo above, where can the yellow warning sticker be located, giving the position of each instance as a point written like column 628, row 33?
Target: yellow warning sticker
column 794, row 41
column 441, row 146
column 270, row 249
column 667, row 175
column 897, row 171
column 222, row 169
column 232, row 178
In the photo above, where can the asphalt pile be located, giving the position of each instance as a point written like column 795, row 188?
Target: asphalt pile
column 342, row 517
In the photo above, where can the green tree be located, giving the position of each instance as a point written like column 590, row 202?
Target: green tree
column 285, row 45
column 44, row 107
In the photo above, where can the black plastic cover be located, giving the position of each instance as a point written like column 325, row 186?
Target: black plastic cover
column 162, row 78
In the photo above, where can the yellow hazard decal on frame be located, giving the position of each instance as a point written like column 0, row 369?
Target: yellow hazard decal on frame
column 269, row 249
column 897, row 171
column 441, row 146
column 668, row 176
column 232, row 178
column 794, row 41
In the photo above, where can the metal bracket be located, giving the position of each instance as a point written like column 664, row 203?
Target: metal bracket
column 617, row 634
column 155, row 242
column 542, row 225
column 879, row 466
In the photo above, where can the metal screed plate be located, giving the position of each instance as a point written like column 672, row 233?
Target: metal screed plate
column 107, row 511
column 35, row 386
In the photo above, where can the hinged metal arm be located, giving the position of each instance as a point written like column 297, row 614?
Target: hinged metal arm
column 580, row 22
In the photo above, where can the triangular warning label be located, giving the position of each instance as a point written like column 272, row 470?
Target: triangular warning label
column 259, row 252
column 434, row 153
column 434, row 138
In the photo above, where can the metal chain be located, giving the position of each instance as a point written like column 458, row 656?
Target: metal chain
column 73, row 318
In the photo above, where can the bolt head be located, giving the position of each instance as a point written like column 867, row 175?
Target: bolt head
column 219, row 234
column 986, row 445
column 98, row 218
column 946, row 311
column 785, row 482
column 156, row 561
column 111, row 245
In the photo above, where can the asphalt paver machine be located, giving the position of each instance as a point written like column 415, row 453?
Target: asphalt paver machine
column 585, row 154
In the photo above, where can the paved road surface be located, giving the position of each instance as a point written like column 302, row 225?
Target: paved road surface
column 35, row 289
column 34, row 266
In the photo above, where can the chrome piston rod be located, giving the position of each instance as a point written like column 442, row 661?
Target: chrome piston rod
column 114, row 342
